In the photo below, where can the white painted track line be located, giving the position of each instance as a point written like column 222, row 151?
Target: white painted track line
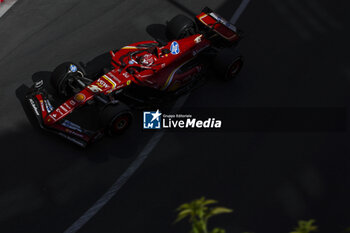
column 239, row 11
column 93, row 210
column 6, row 5
column 117, row 185
column 125, row 176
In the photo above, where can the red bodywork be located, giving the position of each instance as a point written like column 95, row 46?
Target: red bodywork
column 145, row 64
column 161, row 75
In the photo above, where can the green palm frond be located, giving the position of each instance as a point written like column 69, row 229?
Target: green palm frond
column 199, row 213
column 209, row 202
column 216, row 211
column 183, row 206
column 183, row 214
column 305, row 226
column 218, row 230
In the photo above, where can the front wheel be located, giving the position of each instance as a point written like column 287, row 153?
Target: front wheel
column 64, row 76
column 116, row 118
column 228, row 63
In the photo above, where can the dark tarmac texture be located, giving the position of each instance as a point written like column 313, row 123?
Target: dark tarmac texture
column 296, row 55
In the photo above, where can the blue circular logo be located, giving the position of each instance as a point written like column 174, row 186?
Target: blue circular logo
column 73, row 68
column 174, row 48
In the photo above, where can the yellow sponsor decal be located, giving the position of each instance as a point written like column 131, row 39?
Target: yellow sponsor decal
column 128, row 82
column 100, row 85
column 129, row 47
column 110, row 81
column 200, row 18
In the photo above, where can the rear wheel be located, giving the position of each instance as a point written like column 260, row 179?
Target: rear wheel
column 116, row 118
column 180, row 27
column 63, row 77
column 228, row 63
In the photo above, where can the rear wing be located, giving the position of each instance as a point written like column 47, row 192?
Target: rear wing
column 219, row 25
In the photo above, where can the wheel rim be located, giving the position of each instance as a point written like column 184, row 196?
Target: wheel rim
column 120, row 123
column 67, row 81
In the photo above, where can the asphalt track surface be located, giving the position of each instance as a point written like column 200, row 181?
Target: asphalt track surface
column 295, row 55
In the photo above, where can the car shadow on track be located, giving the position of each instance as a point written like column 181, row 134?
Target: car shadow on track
column 157, row 31
column 43, row 173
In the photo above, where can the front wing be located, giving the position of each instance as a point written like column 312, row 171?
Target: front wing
column 41, row 106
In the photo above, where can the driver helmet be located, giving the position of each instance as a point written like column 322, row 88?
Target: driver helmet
column 147, row 59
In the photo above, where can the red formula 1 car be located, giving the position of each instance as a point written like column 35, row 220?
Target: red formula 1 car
column 140, row 74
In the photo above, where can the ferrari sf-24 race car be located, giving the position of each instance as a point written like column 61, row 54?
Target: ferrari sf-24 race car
column 141, row 74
